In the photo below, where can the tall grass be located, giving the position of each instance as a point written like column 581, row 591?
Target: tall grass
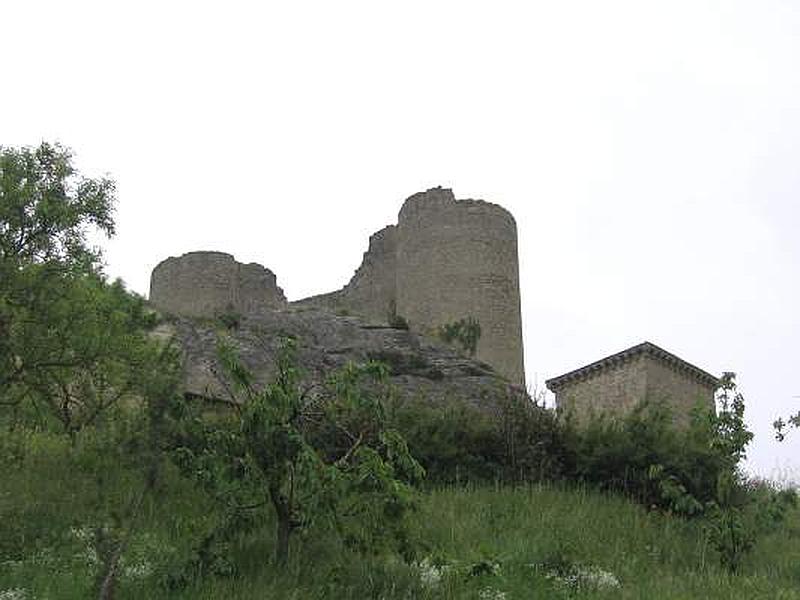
column 477, row 542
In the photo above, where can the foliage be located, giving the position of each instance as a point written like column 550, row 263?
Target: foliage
column 46, row 209
column 466, row 332
column 781, row 426
column 398, row 322
column 526, row 533
column 692, row 471
column 75, row 351
column 71, row 345
column 325, row 457
column 230, row 319
column 76, row 348
column 512, row 439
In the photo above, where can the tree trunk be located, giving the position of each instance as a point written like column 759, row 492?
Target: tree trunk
column 283, row 511
column 284, row 531
column 109, row 582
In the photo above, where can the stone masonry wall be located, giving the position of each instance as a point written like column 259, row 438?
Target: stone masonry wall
column 458, row 259
column 614, row 390
column 204, row 284
column 618, row 388
column 445, row 260
column 371, row 292
column 668, row 384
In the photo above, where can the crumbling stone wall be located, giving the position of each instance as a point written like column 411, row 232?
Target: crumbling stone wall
column 458, row 259
column 445, row 260
column 205, row 284
column 372, row 290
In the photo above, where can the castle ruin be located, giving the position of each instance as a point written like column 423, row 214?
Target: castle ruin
column 445, row 260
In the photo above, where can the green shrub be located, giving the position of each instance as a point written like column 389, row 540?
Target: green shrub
column 230, row 319
column 398, row 322
column 466, row 332
column 512, row 439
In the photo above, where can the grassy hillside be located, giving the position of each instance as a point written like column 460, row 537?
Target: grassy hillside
column 488, row 542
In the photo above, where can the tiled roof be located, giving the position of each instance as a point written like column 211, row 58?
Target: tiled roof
column 648, row 348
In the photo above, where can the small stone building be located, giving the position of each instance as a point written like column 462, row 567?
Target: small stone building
column 618, row 383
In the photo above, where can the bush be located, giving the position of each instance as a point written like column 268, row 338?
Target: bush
column 398, row 322
column 645, row 456
column 513, row 439
column 466, row 332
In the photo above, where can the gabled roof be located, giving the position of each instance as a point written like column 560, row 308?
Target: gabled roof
column 614, row 360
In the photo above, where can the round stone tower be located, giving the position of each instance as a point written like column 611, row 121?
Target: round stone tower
column 206, row 284
column 458, row 259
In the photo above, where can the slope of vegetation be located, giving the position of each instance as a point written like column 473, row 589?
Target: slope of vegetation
column 533, row 541
column 114, row 484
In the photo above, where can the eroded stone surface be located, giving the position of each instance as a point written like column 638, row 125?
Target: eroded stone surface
column 420, row 367
column 444, row 261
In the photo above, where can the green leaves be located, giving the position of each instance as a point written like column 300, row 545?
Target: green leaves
column 466, row 332
column 318, row 455
column 46, row 208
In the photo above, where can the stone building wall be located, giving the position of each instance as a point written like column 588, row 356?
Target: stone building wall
column 615, row 390
column 458, row 259
column 204, row 284
column 618, row 383
column 679, row 389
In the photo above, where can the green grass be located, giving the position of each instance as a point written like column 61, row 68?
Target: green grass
column 527, row 532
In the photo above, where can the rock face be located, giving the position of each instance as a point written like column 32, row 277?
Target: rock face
column 444, row 261
column 420, row 367
column 206, row 284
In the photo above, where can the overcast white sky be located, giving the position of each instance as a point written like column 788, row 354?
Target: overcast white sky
column 649, row 151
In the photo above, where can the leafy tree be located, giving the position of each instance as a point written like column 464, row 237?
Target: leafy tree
column 73, row 346
column 47, row 208
column 315, row 456
column 70, row 343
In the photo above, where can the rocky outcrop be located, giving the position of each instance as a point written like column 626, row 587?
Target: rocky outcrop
column 420, row 368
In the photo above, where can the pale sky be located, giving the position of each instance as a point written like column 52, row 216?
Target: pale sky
column 648, row 150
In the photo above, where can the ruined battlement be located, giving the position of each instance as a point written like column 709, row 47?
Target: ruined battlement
column 445, row 260
column 206, row 284
column 458, row 259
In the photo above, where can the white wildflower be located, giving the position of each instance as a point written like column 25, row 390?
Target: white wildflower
column 586, row 576
column 138, row 570
column 592, row 576
column 491, row 594
column 429, row 574
column 83, row 534
column 11, row 565
column 14, row 594
column 485, row 567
